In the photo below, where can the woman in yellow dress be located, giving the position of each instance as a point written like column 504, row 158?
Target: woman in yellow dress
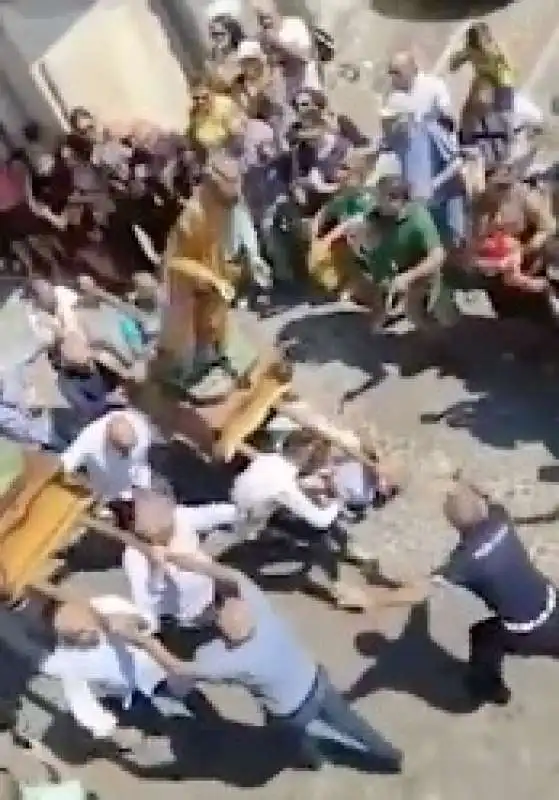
column 490, row 66
column 216, row 120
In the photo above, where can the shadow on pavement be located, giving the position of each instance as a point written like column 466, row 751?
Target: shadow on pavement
column 436, row 10
column 509, row 368
column 201, row 746
column 204, row 747
column 412, row 664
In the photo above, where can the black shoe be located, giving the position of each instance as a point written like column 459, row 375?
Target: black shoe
column 387, row 766
column 488, row 691
column 308, row 759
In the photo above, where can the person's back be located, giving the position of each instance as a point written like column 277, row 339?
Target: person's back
column 271, row 664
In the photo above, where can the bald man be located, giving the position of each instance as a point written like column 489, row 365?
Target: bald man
column 183, row 591
column 428, row 94
column 113, row 450
column 491, row 562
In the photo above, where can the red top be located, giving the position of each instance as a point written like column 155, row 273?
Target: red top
column 13, row 180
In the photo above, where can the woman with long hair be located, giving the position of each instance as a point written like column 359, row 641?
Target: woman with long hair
column 491, row 66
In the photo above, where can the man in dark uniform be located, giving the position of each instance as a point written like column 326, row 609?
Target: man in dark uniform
column 491, row 562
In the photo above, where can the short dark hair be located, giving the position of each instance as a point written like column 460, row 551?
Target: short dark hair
column 232, row 26
column 395, row 186
column 76, row 113
column 32, row 132
column 225, row 590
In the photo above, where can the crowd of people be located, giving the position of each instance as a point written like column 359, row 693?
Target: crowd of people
column 282, row 186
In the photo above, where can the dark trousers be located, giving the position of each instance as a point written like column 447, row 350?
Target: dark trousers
column 325, row 549
column 490, row 642
column 325, row 705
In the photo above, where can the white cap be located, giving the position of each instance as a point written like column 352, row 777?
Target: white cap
column 294, row 33
column 249, row 48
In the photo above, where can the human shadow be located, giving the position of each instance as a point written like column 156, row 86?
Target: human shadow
column 510, row 398
column 282, row 559
column 427, row 10
column 276, row 562
column 200, row 744
column 503, row 416
column 412, row 664
column 344, row 336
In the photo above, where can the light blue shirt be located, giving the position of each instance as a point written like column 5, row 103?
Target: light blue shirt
column 241, row 238
column 273, row 666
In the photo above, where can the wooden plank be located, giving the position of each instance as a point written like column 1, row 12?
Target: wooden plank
column 26, row 553
column 266, row 395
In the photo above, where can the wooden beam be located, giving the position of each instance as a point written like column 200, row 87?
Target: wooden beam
column 299, row 412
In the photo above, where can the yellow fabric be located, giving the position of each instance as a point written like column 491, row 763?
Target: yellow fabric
column 494, row 67
column 332, row 268
column 212, row 130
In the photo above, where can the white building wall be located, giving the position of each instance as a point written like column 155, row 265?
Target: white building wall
column 112, row 56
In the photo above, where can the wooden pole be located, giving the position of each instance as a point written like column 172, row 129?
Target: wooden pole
column 299, row 412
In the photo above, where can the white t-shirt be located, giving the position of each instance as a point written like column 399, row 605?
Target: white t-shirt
column 269, row 482
column 177, row 593
column 110, row 669
column 110, row 474
column 428, row 95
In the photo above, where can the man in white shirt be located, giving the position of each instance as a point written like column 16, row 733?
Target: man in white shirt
column 113, row 450
column 92, row 662
column 271, row 484
column 428, row 94
column 184, row 594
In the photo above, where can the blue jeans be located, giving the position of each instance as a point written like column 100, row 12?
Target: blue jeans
column 325, row 716
column 450, row 218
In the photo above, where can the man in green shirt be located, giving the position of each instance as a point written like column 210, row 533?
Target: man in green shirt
column 402, row 252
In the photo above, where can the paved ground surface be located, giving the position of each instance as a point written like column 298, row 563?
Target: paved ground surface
column 492, row 411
